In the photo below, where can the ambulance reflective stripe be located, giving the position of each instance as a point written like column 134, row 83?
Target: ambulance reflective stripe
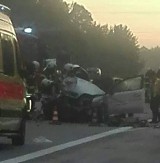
column 11, row 91
column 12, row 99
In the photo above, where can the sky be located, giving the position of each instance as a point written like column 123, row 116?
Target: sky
column 142, row 17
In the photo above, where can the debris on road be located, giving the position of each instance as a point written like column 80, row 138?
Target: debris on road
column 41, row 139
column 128, row 121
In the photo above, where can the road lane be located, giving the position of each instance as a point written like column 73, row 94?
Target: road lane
column 44, row 131
column 60, row 147
column 43, row 135
column 136, row 146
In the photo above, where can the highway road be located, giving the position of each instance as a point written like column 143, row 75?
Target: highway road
column 141, row 145
column 43, row 135
column 73, row 143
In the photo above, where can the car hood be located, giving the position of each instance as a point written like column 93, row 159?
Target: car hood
column 77, row 87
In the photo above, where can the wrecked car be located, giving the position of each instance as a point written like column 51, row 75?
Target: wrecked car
column 126, row 97
column 77, row 95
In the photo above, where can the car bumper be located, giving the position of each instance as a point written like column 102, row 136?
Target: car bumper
column 9, row 125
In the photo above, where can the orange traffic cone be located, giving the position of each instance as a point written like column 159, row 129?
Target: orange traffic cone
column 55, row 119
column 94, row 121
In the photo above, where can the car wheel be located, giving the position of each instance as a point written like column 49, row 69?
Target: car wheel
column 20, row 138
column 103, row 114
column 114, row 121
column 106, row 116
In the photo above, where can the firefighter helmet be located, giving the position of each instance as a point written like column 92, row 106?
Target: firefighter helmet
column 50, row 65
column 45, row 82
column 68, row 67
column 36, row 65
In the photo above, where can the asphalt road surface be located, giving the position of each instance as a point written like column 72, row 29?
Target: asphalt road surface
column 43, row 135
column 72, row 143
column 135, row 146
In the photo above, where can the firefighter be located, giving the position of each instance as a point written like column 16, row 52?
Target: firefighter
column 33, row 75
column 51, row 73
column 150, row 78
column 50, row 88
column 33, row 80
column 49, row 97
column 155, row 100
column 50, row 69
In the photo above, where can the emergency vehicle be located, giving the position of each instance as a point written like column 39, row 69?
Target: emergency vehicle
column 12, row 87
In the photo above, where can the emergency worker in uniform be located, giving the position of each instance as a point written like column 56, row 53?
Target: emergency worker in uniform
column 37, row 76
column 49, row 97
column 32, row 76
column 150, row 78
column 155, row 100
column 29, row 77
column 33, row 80
column 50, row 72
column 50, row 89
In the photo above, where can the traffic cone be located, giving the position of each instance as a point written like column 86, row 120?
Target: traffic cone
column 55, row 119
column 94, row 120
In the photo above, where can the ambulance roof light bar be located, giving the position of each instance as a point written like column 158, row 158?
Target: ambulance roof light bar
column 4, row 9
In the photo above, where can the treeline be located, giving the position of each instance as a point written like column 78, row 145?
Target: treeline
column 71, row 34
column 150, row 58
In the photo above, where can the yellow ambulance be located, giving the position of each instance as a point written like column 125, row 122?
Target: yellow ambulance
column 12, row 87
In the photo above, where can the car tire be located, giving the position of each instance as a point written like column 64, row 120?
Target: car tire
column 20, row 138
column 104, row 115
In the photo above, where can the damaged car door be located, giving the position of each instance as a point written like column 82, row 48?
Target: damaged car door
column 128, row 97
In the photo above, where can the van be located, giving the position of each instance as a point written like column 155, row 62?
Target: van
column 12, row 86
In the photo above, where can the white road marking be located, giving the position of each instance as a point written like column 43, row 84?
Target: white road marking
column 53, row 149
